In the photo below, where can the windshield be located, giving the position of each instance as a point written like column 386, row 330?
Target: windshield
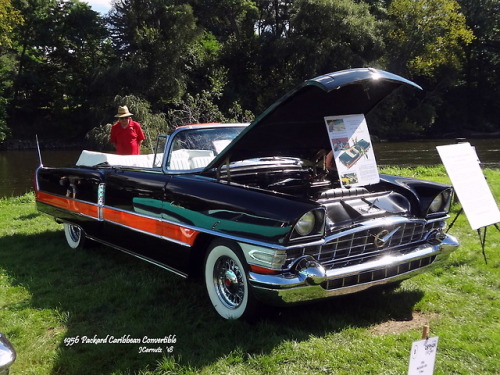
column 195, row 148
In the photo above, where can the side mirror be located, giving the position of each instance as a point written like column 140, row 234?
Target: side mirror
column 7, row 355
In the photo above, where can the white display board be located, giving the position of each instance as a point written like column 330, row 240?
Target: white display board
column 423, row 357
column 462, row 165
column 352, row 149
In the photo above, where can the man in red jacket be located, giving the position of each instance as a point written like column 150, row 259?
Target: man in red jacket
column 126, row 134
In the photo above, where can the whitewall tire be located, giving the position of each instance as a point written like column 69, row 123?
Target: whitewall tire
column 75, row 236
column 227, row 282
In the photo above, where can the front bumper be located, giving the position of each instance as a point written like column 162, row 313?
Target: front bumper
column 310, row 281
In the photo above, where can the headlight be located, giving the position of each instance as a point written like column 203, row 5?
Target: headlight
column 436, row 204
column 312, row 223
column 306, row 224
column 440, row 203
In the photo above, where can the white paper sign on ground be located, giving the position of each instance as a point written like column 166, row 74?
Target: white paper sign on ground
column 423, row 357
column 352, row 149
column 462, row 166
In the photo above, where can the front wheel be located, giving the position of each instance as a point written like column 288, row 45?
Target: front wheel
column 74, row 236
column 226, row 281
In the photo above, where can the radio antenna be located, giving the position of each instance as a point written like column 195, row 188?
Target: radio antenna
column 38, row 148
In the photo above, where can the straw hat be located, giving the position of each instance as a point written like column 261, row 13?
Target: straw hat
column 123, row 112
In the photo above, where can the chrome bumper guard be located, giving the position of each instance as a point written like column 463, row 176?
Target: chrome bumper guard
column 309, row 281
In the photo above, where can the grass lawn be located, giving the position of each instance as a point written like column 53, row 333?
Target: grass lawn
column 79, row 312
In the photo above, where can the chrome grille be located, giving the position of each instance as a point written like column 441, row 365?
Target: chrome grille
column 385, row 273
column 364, row 245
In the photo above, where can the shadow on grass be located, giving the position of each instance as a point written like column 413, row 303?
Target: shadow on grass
column 101, row 293
column 29, row 216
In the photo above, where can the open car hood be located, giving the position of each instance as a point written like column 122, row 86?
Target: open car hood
column 294, row 125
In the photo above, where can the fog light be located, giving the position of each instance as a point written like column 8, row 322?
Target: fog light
column 436, row 237
column 310, row 270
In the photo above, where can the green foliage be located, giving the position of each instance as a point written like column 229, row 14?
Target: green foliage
column 9, row 18
column 203, row 108
column 333, row 35
column 59, row 53
column 98, row 137
column 426, row 41
column 63, row 64
column 474, row 104
column 297, row 40
column 228, row 18
column 427, row 34
column 154, row 38
column 153, row 124
column 4, row 129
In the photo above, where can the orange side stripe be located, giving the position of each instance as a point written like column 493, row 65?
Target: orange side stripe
column 83, row 208
column 145, row 224
column 151, row 225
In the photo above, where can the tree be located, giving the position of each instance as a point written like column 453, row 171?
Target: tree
column 333, row 35
column 203, row 108
column 59, row 55
column 274, row 17
column 425, row 35
column 226, row 19
column 9, row 18
column 425, row 42
column 154, row 40
column 306, row 38
column 474, row 103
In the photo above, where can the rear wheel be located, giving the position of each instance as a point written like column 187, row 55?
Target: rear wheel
column 75, row 236
column 227, row 282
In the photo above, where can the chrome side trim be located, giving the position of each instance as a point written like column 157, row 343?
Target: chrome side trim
column 101, row 193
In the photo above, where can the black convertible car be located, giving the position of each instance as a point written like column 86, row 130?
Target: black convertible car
column 254, row 209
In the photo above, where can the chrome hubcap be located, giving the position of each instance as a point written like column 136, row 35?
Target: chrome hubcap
column 228, row 282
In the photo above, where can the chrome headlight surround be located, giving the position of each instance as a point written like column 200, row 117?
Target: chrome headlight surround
column 310, row 224
column 441, row 203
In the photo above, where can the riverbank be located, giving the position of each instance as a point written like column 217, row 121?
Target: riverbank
column 57, row 144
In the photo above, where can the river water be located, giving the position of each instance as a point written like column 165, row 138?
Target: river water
column 17, row 168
